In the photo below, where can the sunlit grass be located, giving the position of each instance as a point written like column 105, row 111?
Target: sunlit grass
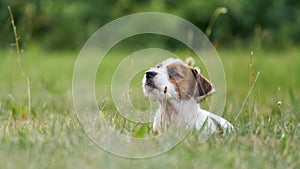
column 267, row 135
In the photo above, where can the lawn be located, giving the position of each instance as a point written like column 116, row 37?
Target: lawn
column 267, row 133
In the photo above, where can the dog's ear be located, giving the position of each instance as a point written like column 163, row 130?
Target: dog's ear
column 203, row 86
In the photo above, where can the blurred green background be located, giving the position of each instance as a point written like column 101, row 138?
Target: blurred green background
column 38, row 125
column 254, row 23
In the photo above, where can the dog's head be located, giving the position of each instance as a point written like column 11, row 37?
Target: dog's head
column 174, row 79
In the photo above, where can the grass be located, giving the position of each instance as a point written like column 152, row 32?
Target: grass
column 267, row 135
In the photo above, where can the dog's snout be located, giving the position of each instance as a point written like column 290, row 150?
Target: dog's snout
column 150, row 74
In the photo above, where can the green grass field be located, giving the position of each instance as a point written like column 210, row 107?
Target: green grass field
column 267, row 134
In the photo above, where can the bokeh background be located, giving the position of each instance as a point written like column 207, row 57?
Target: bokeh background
column 269, row 23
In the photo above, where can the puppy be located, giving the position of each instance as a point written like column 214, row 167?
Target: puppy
column 178, row 88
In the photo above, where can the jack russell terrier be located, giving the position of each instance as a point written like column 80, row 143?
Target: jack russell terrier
column 178, row 88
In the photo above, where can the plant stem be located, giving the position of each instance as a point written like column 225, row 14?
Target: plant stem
column 17, row 38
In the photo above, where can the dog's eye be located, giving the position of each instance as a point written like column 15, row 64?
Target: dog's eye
column 173, row 73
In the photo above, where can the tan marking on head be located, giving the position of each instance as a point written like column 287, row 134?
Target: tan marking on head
column 183, row 79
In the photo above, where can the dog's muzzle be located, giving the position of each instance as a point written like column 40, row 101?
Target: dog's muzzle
column 150, row 74
column 149, row 79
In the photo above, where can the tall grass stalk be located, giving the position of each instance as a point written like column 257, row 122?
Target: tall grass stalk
column 252, row 82
column 17, row 39
column 217, row 12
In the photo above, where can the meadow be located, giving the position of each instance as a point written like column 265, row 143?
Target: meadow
column 49, row 136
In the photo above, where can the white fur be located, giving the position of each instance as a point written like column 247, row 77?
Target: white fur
column 173, row 108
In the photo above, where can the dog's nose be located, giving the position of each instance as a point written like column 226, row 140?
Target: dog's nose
column 150, row 74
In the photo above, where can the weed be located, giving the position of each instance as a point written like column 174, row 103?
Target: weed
column 24, row 112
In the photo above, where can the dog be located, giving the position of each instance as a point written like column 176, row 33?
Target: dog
column 178, row 88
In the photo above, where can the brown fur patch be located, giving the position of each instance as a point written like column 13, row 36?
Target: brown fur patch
column 183, row 79
column 204, row 87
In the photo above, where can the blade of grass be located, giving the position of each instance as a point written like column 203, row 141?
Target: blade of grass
column 247, row 96
column 17, row 38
